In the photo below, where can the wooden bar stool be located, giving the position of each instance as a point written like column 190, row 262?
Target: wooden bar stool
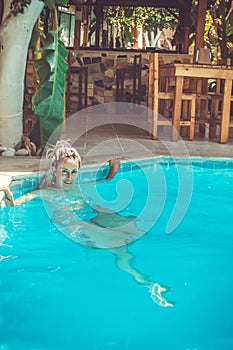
column 76, row 89
column 202, row 121
column 216, row 114
column 199, row 87
column 131, row 72
column 188, row 109
column 161, row 98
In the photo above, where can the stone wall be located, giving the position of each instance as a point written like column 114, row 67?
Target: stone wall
column 102, row 74
column 102, row 66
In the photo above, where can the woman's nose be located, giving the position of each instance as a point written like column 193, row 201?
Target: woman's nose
column 68, row 175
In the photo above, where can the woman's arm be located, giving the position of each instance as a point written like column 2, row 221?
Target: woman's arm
column 114, row 167
column 11, row 202
column 27, row 197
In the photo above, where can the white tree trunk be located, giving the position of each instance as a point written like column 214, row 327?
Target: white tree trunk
column 156, row 38
column 147, row 42
column 15, row 35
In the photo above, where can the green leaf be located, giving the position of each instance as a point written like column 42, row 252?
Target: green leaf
column 51, row 4
column 61, row 2
column 48, row 101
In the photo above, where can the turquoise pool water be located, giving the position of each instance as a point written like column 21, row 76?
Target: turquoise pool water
column 58, row 294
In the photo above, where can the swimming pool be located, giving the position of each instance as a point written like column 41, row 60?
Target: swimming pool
column 58, row 294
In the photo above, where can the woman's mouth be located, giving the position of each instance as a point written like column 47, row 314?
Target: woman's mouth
column 68, row 182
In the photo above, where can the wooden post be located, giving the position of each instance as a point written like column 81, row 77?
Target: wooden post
column 200, row 28
column 86, row 10
column 186, row 39
column 186, row 20
column 77, row 26
column 177, row 107
column 156, row 95
column 153, row 88
column 150, row 93
column 151, row 80
column 134, row 32
column 98, row 24
column 224, row 132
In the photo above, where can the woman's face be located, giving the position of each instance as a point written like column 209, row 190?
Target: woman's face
column 67, row 172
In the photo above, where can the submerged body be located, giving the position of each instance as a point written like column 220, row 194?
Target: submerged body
column 102, row 229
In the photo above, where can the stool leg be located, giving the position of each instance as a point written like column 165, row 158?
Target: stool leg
column 139, row 87
column 85, row 88
column 192, row 118
column 122, row 87
column 80, row 86
column 134, row 86
column 117, row 86
column 214, row 108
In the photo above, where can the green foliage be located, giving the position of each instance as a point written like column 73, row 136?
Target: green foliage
column 48, row 101
column 53, row 3
column 146, row 17
column 149, row 18
column 218, row 27
column 128, row 38
column 219, row 24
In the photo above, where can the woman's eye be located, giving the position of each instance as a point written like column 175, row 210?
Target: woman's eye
column 74, row 171
column 64, row 171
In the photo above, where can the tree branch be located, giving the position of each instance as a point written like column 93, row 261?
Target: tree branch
column 230, row 11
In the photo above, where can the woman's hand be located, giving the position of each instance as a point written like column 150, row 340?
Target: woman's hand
column 8, row 196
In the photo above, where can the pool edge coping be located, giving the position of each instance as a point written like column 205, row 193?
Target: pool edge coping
column 8, row 177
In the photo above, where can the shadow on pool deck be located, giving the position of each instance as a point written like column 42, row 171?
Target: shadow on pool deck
column 126, row 142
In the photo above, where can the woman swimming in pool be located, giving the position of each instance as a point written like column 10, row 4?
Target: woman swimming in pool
column 103, row 228
column 65, row 162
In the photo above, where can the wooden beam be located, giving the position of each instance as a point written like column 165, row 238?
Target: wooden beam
column 141, row 3
column 134, row 3
column 77, row 26
column 200, row 27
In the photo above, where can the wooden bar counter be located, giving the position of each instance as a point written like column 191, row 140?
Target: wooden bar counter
column 180, row 71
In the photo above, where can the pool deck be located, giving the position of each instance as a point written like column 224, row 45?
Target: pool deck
column 103, row 144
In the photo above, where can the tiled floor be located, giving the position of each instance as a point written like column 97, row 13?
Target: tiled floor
column 105, row 142
column 118, row 130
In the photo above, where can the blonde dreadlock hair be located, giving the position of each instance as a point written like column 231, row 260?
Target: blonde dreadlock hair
column 62, row 150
